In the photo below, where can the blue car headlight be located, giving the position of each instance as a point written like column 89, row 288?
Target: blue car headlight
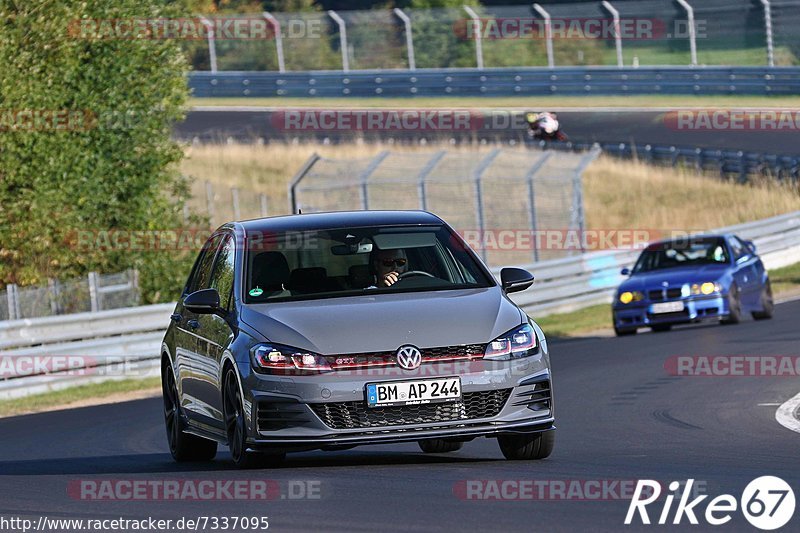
column 706, row 288
column 517, row 343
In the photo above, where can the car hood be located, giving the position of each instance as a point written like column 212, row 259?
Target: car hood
column 674, row 277
column 384, row 322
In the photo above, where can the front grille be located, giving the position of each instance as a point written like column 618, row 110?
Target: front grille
column 352, row 415
column 429, row 355
column 661, row 294
column 272, row 416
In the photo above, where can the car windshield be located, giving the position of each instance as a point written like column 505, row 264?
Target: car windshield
column 349, row 261
column 680, row 253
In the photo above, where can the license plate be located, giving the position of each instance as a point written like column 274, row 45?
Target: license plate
column 667, row 307
column 413, row 392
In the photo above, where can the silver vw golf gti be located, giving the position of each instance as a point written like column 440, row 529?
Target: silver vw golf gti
column 334, row 330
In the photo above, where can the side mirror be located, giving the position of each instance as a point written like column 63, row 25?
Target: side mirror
column 750, row 246
column 625, row 271
column 203, row 302
column 515, row 279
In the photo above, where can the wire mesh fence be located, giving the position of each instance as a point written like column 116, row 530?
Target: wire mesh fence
column 633, row 32
column 500, row 201
column 95, row 292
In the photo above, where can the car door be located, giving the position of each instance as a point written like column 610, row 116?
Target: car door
column 745, row 272
column 214, row 335
column 189, row 360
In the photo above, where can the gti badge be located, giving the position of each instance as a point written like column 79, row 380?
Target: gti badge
column 408, row 357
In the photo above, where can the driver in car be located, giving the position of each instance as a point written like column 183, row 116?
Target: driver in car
column 389, row 265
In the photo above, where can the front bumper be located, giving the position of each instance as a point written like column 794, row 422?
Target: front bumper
column 696, row 309
column 329, row 410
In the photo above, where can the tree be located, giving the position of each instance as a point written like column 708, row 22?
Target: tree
column 85, row 140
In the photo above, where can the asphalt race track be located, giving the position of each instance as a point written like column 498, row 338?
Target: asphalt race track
column 642, row 126
column 620, row 416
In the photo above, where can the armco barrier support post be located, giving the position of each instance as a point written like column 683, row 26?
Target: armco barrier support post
column 278, row 39
column 212, row 44
column 342, row 39
column 548, row 33
column 478, row 177
column 412, row 64
column 478, row 37
column 768, row 30
column 617, row 31
column 364, row 177
column 423, row 176
column 692, row 31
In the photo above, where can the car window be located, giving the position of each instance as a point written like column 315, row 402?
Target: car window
column 222, row 277
column 349, row 261
column 682, row 253
column 738, row 248
column 201, row 278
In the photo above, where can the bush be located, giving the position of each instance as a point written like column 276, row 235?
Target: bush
column 98, row 155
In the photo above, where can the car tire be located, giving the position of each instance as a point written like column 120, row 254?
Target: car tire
column 236, row 428
column 624, row 332
column 734, row 307
column 661, row 328
column 439, row 445
column 767, row 304
column 527, row 447
column 183, row 446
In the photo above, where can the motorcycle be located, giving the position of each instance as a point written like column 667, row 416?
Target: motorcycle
column 544, row 127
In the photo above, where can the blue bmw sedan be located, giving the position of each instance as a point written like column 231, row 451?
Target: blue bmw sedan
column 692, row 279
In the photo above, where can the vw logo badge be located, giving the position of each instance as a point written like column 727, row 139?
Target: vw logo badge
column 408, row 357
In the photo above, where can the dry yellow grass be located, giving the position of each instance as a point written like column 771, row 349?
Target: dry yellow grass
column 617, row 194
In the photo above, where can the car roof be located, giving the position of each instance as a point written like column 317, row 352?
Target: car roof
column 699, row 236
column 339, row 219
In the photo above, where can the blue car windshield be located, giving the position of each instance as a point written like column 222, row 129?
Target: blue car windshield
column 682, row 253
column 350, row 261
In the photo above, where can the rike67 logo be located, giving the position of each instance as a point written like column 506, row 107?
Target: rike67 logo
column 767, row 503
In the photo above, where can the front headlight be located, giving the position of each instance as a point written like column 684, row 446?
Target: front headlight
column 627, row 297
column 279, row 359
column 706, row 288
column 517, row 343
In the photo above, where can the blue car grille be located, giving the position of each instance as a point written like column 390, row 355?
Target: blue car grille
column 664, row 294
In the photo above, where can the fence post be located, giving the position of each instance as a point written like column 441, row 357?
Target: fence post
column 263, row 201
column 13, row 301
column 135, row 285
column 212, row 43
column 342, row 39
column 52, row 287
column 617, row 33
column 293, row 205
column 94, row 295
column 478, row 176
column 278, row 39
column 237, row 214
column 412, row 64
column 478, row 36
column 423, row 175
column 577, row 185
column 532, row 199
column 692, row 31
column 548, row 33
column 210, row 201
column 768, row 30
column 376, row 161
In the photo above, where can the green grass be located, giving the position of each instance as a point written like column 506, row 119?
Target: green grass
column 48, row 401
column 785, row 279
column 528, row 102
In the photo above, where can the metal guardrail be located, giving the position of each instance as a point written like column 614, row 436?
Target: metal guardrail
column 518, row 81
column 136, row 333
